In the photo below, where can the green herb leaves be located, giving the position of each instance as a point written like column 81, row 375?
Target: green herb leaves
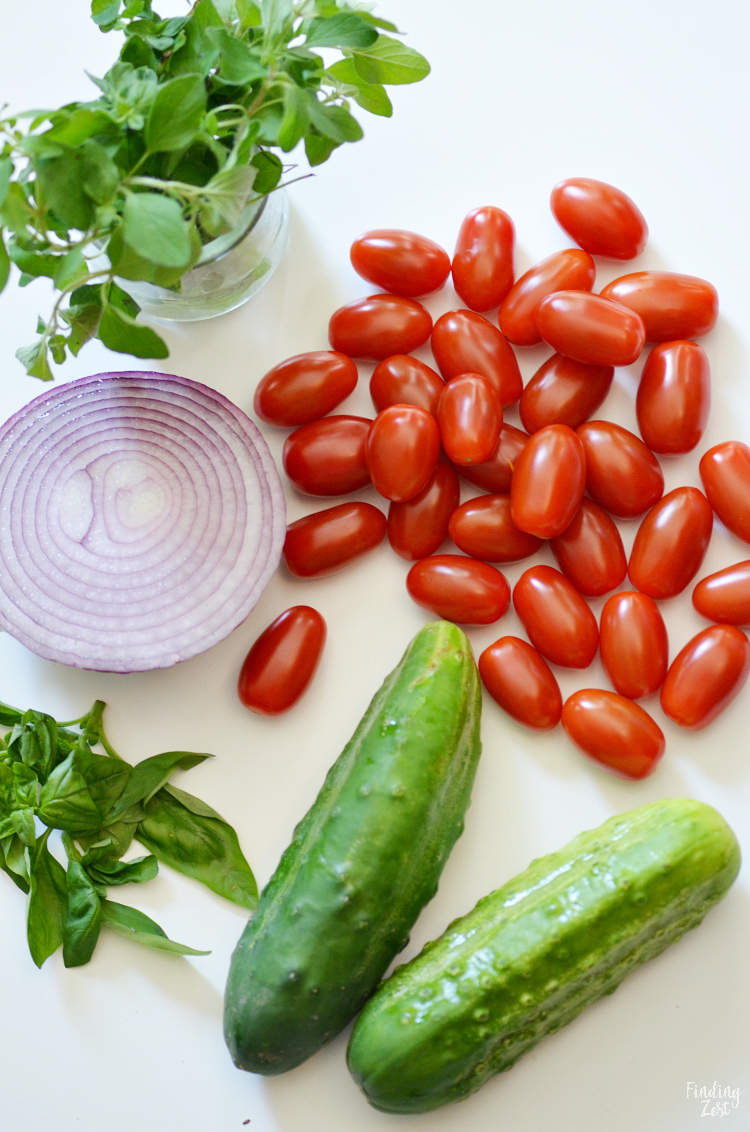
column 176, row 114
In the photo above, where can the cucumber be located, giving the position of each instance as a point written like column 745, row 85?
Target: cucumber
column 533, row 954
column 363, row 862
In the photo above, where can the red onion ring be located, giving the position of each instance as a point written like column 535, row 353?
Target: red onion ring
column 141, row 517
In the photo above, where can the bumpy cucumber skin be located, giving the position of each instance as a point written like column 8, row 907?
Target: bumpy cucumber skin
column 533, row 954
column 363, row 862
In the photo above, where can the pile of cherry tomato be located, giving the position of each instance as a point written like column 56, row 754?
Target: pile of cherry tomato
column 433, row 426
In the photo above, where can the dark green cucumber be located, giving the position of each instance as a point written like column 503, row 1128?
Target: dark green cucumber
column 532, row 955
column 363, row 862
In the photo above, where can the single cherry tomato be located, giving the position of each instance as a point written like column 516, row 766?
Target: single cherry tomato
column 402, row 449
column 483, row 528
column 379, row 326
column 674, row 397
column 282, row 662
column 403, row 380
column 725, row 471
column 563, row 392
column 520, row 680
column 671, row 543
column 672, row 306
column 304, row 388
column 496, row 473
column 464, row 342
column 327, row 457
column 633, row 644
column 557, row 619
column 322, row 543
column 400, row 262
column 725, row 595
column 705, row 676
column 459, row 589
column 569, row 270
column 470, row 417
column 548, row 481
column 483, row 259
column 599, row 217
column 419, row 526
column 614, row 731
column 590, row 329
column 622, row 475
column 590, row 552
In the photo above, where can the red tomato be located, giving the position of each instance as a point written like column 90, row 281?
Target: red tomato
column 671, row 543
column 402, row 380
column 622, row 475
column 599, row 217
column 483, row 528
column 557, row 619
column 590, row 329
column 322, row 543
column 614, row 731
column 327, row 457
column 459, row 589
column 633, row 644
column 464, row 342
column 590, row 552
column 674, row 397
column 282, row 662
column 563, row 392
column 304, row 388
column 569, row 270
column 496, row 473
column 401, row 262
column 470, row 417
column 379, row 326
column 548, row 481
column 483, row 259
column 705, row 677
column 725, row 595
column 402, row 449
column 520, row 680
column 725, row 471
column 672, row 306
column 419, row 526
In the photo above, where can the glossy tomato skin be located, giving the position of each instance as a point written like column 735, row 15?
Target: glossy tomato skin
column 569, row 270
column 705, row 676
column 725, row 595
column 324, row 542
column 403, row 380
column 470, row 418
column 465, row 342
column 590, row 552
column 599, row 217
column 282, row 662
column 633, row 644
column 674, row 397
column 563, row 392
column 725, row 472
column 419, row 527
column 379, row 326
column 672, row 306
column 483, row 528
column 622, row 475
column 590, row 329
column 555, row 616
column 327, row 457
column 459, row 589
column 671, row 543
column 304, row 388
column 614, row 731
column 400, row 262
column 519, row 679
column 402, row 449
column 496, row 473
column 483, row 259
column 548, row 481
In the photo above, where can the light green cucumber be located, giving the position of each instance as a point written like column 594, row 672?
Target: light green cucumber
column 534, row 953
column 363, row 862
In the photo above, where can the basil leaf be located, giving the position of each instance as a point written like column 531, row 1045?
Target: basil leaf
column 108, row 872
column 318, row 149
column 79, row 125
column 7, row 790
column 81, row 790
column 346, row 29
column 15, row 877
column 334, row 122
column 151, row 774
column 82, row 921
column 239, row 64
column 16, row 861
column 34, row 263
column 135, row 925
column 71, row 268
column 296, row 117
column 154, row 227
column 23, row 823
column 24, row 786
column 121, row 334
column 83, row 320
column 374, row 98
column 249, row 14
column 269, row 172
column 6, row 172
column 9, row 715
column 177, row 114
column 199, row 52
column 48, row 903
column 229, row 190
column 104, row 12
column 60, row 181
column 390, row 61
column 129, row 265
column 109, row 843
column 35, row 361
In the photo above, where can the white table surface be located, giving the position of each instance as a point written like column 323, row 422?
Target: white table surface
column 651, row 96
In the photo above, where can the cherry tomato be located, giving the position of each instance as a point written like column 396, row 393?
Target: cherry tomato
column 483, row 528
column 470, row 417
column 548, row 481
column 401, row 262
column 590, row 552
column 483, row 259
column 705, row 676
column 459, row 589
column 633, row 644
column 327, row 457
column 563, row 392
column 614, row 731
column 599, row 217
column 402, row 449
column 590, row 329
column 402, row 380
column 569, row 270
column 282, row 662
column 520, row 680
column 496, row 473
column 725, row 471
column 671, row 543
column 557, row 619
column 725, row 595
column 464, row 342
column 304, row 388
column 622, row 475
column 672, row 306
column 419, row 526
column 322, row 543
column 674, row 397
column 379, row 326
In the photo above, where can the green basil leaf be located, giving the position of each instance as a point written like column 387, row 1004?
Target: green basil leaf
column 377, row 22
column 240, row 65
column 151, row 774
column 16, row 212
column 177, row 114
column 81, row 790
column 48, row 903
column 296, row 117
column 24, row 786
column 83, row 321
column 76, row 127
column 34, row 263
column 34, row 359
column 249, row 14
column 9, row 715
column 275, row 14
column 109, row 871
column 346, row 29
column 139, row 927
column 7, row 790
column 269, row 172
column 4, row 264
column 318, row 149
column 122, row 334
column 139, row 53
column 154, row 227
column 334, row 122
column 374, row 98
column 82, row 921
column 390, row 61
column 101, row 176
column 104, row 12
column 6, row 172
column 23, row 824
column 226, row 196
column 199, row 52
column 60, row 181
column 71, row 268
column 125, row 304
column 20, row 881
column 16, row 860
column 108, row 843
column 129, row 265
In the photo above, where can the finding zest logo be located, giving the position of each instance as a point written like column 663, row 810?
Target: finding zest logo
column 717, row 1100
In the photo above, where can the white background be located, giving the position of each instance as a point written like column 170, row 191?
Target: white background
column 651, row 96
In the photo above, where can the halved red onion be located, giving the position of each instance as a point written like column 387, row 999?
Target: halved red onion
column 141, row 517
